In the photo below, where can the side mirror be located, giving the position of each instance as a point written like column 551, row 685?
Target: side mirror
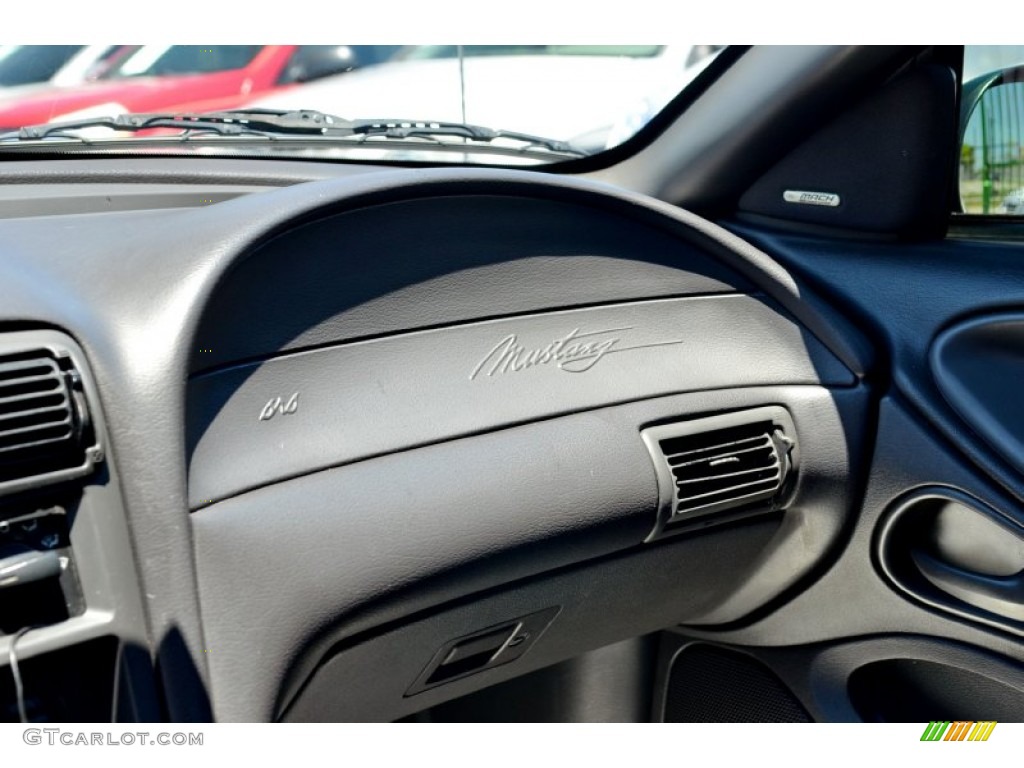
column 992, row 143
column 311, row 62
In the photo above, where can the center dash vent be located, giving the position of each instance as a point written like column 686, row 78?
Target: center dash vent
column 45, row 431
column 735, row 461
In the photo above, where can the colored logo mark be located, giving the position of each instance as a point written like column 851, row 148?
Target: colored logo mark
column 958, row 731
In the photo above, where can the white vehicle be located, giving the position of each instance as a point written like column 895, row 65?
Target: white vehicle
column 525, row 90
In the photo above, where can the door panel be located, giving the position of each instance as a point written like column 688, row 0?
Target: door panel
column 907, row 297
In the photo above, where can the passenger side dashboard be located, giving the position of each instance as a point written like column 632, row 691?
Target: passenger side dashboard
column 379, row 440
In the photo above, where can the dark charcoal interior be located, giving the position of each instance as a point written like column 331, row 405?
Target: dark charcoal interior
column 626, row 441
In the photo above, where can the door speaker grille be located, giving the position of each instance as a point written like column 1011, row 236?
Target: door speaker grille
column 708, row 684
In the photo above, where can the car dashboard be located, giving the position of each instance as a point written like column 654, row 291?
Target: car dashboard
column 367, row 443
column 719, row 425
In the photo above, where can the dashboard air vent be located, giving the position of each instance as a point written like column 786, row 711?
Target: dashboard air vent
column 730, row 462
column 45, row 429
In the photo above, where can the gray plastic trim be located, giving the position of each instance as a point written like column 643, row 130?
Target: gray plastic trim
column 853, row 597
column 135, row 303
column 831, row 666
column 612, row 684
column 18, row 201
column 931, row 595
column 436, row 262
column 260, row 423
column 601, row 603
column 103, row 555
column 383, row 539
column 819, row 674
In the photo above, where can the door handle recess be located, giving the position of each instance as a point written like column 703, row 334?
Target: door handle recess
column 1002, row 595
column 956, row 554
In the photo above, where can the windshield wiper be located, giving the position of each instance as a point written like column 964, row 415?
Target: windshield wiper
column 404, row 129
column 220, row 123
column 271, row 124
column 312, row 121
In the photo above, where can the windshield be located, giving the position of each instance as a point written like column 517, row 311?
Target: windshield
column 452, row 51
column 164, row 60
column 27, row 64
column 536, row 103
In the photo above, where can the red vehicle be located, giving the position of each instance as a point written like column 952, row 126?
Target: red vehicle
column 163, row 77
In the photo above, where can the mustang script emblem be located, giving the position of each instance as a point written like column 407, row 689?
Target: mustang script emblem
column 576, row 352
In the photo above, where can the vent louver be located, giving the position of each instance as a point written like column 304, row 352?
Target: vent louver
column 44, row 422
column 730, row 462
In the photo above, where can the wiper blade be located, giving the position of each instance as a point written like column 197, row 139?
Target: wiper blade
column 404, row 129
column 256, row 122
column 271, row 123
column 312, row 121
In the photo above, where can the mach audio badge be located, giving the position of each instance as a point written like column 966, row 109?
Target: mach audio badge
column 828, row 199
